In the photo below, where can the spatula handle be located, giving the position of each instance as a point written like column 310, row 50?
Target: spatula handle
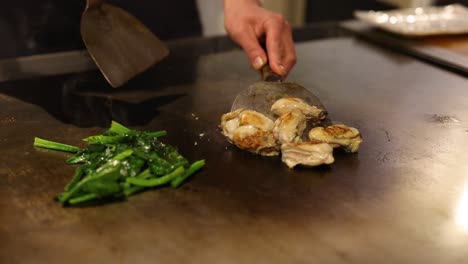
column 93, row 3
column 268, row 75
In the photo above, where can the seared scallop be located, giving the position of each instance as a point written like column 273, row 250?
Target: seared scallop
column 286, row 105
column 255, row 140
column 290, row 126
column 306, row 154
column 338, row 135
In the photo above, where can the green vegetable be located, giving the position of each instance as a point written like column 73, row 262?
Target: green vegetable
column 120, row 162
column 156, row 181
column 197, row 165
column 83, row 198
column 104, row 139
column 42, row 143
column 118, row 128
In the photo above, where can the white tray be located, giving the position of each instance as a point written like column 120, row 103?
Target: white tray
column 421, row 21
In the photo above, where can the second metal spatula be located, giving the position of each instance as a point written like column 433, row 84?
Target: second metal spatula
column 119, row 43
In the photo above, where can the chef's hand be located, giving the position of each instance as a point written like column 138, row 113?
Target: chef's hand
column 246, row 22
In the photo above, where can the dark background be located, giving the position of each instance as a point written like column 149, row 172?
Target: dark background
column 31, row 26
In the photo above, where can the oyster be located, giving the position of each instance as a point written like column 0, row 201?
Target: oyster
column 290, row 126
column 286, row 105
column 338, row 135
column 229, row 123
column 255, row 140
column 254, row 132
column 256, row 119
column 306, row 154
column 251, row 131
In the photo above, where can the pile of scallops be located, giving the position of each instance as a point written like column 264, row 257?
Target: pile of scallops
column 255, row 132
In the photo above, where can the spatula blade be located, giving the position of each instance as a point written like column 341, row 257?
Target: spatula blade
column 260, row 96
column 120, row 44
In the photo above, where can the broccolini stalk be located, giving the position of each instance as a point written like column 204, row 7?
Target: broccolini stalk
column 156, row 134
column 43, row 143
column 156, row 181
column 83, row 198
column 79, row 173
column 110, row 169
column 129, row 189
column 107, row 170
column 123, row 155
column 197, row 165
column 118, row 128
column 100, row 139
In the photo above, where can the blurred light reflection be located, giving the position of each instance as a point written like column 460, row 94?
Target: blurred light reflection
column 461, row 216
column 411, row 19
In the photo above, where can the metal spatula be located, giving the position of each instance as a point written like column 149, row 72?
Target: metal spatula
column 119, row 43
column 261, row 95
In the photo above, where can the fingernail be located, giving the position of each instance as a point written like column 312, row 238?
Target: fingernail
column 258, row 63
column 282, row 68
